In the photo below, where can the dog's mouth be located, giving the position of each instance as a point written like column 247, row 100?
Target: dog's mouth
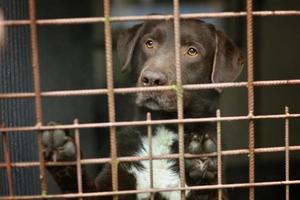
column 152, row 104
column 165, row 101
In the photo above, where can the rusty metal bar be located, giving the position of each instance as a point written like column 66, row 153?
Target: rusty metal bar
column 287, row 153
column 143, row 123
column 249, row 18
column 149, row 134
column 179, row 93
column 165, row 156
column 35, row 62
column 91, row 20
column 110, row 95
column 37, row 89
column 8, row 164
column 202, row 187
column 87, row 92
column 219, row 154
column 78, row 159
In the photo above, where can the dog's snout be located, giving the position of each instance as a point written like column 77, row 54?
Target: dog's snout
column 153, row 78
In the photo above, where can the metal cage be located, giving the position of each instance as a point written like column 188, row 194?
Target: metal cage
column 32, row 23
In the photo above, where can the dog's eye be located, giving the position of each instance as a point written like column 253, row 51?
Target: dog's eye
column 192, row 51
column 149, row 44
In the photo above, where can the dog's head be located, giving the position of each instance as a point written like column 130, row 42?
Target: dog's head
column 207, row 56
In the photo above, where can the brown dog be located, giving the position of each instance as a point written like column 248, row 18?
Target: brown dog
column 207, row 56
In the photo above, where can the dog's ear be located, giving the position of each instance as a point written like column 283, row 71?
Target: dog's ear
column 126, row 43
column 228, row 60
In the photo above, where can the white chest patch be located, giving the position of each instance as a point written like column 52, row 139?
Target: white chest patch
column 163, row 176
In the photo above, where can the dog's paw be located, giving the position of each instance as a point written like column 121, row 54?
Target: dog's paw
column 58, row 145
column 202, row 170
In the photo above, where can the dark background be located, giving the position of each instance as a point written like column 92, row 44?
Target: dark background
column 72, row 57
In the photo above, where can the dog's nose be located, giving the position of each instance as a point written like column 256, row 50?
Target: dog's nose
column 153, row 78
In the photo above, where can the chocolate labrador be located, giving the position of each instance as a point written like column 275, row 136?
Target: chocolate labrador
column 146, row 52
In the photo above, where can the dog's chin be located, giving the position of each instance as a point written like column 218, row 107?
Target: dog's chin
column 152, row 105
column 156, row 103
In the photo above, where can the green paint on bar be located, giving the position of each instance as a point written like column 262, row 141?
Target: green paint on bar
column 178, row 89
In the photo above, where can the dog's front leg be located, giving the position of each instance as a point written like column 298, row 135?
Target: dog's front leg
column 60, row 146
column 202, row 171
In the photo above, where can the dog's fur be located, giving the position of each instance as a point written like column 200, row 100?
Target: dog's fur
column 146, row 52
column 153, row 64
